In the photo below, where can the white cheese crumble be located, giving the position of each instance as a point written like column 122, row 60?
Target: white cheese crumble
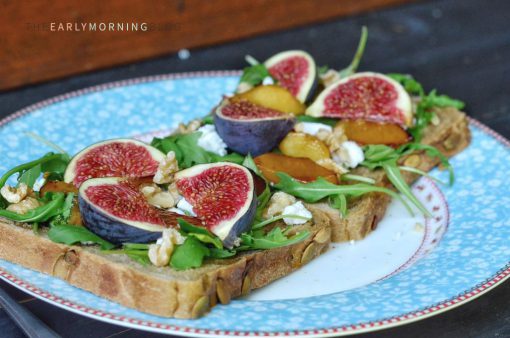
column 268, row 80
column 211, row 141
column 349, row 154
column 297, row 209
column 186, row 207
column 312, row 128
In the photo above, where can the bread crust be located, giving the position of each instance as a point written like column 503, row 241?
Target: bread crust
column 450, row 136
column 161, row 291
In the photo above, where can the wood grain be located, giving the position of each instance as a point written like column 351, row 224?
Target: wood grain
column 33, row 49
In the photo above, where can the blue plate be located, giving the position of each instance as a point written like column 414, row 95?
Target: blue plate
column 472, row 256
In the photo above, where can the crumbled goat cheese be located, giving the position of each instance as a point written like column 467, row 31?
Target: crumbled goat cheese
column 24, row 205
column 166, row 169
column 268, row 80
column 277, row 203
column 13, row 194
column 312, row 128
column 160, row 253
column 211, row 141
column 349, row 154
column 297, row 209
column 186, row 207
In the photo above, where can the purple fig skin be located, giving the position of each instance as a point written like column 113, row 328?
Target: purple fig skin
column 253, row 137
column 242, row 225
column 112, row 230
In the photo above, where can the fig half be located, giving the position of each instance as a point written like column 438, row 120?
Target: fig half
column 248, row 128
column 114, row 209
column 366, row 96
column 295, row 71
column 223, row 197
column 113, row 158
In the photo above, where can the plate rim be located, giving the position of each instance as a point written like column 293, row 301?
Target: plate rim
column 476, row 291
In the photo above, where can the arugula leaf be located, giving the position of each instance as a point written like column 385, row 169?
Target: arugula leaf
column 339, row 202
column 50, row 162
column 39, row 214
column 57, row 164
column 188, row 152
column 221, row 253
column 136, row 251
column 434, row 100
column 72, row 234
column 274, row 239
column 64, row 213
column 351, row 69
column 187, row 228
column 135, row 246
column 30, row 176
column 322, row 70
column 188, row 255
column 395, row 177
column 430, row 151
column 381, row 156
column 409, row 83
column 314, row 191
column 254, row 74
column 139, row 256
column 324, row 120
column 277, row 218
column 250, row 164
column 35, row 228
column 376, row 155
column 200, row 233
column 262, row 201
column 208, row 240
column 208, row 119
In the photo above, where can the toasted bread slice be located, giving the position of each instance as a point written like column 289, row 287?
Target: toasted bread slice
column 161, row 291
column 450, row 136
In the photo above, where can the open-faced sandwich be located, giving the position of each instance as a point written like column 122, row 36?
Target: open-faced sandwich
column 296, row 158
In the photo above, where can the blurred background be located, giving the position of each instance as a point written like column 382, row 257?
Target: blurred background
column 462, row 48
column 458, row 47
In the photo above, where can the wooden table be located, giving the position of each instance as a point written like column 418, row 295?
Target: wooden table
column 460, row 48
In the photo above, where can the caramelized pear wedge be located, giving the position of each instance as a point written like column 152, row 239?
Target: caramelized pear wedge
column 365, row 132
column 300, row 168
column 272, row 97
column 304, row 145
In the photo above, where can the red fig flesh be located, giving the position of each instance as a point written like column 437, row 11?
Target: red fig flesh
column 113, row 158
column 114, row 209
column 295, row 71
column 222, row 195
column 366, row 96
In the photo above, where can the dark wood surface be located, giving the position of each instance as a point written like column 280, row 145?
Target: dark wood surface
column 37, row 43
column 459, row 47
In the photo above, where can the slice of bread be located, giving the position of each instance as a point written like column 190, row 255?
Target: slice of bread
column 450, row 136
column 161, row 291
